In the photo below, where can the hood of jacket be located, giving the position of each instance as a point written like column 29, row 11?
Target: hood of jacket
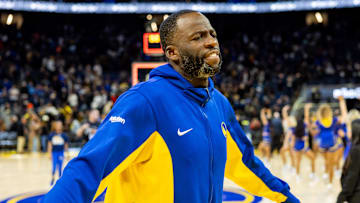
column 200, row 95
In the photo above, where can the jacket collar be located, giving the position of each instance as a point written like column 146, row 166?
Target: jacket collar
column 200, row 95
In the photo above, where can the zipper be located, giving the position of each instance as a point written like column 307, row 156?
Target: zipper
column 211, row 150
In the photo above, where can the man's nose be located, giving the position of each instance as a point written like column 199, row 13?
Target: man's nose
column 211, row 42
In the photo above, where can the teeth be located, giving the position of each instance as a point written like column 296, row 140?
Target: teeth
column 213, row 54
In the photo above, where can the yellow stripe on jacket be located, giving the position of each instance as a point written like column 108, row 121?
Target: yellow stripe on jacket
column 146, row 175
column 238, row 172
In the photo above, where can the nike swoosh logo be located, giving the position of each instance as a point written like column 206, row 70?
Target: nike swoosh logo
column 184, row 132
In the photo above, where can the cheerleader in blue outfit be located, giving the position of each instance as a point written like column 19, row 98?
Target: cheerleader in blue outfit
column 300, row 142
column 326, row 124
column 288, row 122
column 265, row 145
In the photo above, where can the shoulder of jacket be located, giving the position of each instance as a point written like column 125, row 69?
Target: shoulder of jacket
column 221, row 98
column 151, row 89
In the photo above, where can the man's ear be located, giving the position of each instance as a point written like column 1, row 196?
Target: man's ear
column 172, row 53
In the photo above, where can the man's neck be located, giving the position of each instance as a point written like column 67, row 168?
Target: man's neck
column 196, row 82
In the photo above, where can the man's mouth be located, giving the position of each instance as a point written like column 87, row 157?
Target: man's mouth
column 212, row 58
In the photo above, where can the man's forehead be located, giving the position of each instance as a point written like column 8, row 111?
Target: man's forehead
column 193, row 22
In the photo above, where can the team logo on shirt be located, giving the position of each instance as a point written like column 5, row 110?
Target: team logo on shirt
column 224, row 129
column 57, row 140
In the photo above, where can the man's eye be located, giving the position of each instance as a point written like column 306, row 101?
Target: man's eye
column 196, row 38
column 214, row 35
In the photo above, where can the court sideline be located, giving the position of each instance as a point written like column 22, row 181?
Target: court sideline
column 30, row 173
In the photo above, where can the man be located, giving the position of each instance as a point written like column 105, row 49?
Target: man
column 172, row 138
column 88, row 129
column 17, row 126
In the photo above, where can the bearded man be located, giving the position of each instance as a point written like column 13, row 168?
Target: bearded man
column 173, row 138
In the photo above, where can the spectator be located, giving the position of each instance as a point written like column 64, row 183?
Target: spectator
column 5, row 114
column 34, row 126
column 73, row 99
column 18, row 127
column 88, row 129
column 2, row 126
column 277, row 132
column 14, row 94
column 46, row 120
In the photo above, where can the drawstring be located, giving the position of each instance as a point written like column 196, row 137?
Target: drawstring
column 207, row 99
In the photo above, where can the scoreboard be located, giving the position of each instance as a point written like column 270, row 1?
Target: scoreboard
column 151, row 44
column 151, row 47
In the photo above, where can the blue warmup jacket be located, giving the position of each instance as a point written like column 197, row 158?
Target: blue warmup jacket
column 165, row 141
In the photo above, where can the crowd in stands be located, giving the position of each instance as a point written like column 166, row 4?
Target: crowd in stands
column 267, row 69
column 47, row 76
column 63, row 73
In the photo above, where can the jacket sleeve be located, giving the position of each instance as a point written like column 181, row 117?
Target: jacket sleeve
column 246, row 170
column 117, row 142
column 350, row 180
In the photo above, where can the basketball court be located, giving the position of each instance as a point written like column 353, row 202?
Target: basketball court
column 25, row 178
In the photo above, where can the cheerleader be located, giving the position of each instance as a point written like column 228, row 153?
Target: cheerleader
column 300, row 141
column 288, row 123
column 326, row 124
column 265, row 144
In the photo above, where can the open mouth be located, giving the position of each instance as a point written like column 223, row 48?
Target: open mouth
column 212, row 58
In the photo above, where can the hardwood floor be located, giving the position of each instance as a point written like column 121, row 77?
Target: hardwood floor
column 30, row 173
